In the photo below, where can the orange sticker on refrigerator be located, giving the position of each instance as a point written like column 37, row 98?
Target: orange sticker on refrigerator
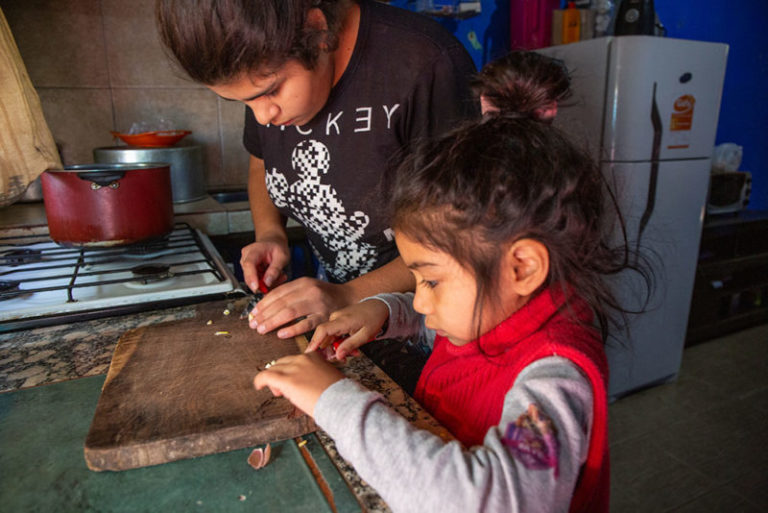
column 681, row 121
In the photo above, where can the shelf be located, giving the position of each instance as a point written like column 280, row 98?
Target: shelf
column 460, row 15
column 709, row 269
column 731, row 288
column 724, row 327
column 456, row 9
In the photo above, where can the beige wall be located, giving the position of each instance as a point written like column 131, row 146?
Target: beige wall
column 98, row 66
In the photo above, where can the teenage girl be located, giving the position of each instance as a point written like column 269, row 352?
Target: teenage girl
column 503, row 224
column 334, row 89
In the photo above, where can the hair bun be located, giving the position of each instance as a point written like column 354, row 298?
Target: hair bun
column 523, row 84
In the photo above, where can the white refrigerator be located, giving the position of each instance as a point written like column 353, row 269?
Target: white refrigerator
column 647, row 107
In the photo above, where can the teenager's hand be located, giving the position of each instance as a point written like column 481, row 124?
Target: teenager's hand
column 307, row 301
column 300, row 378
column 354, row 326
column 264, row 260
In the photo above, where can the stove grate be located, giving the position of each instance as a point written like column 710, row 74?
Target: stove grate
column 48, row 262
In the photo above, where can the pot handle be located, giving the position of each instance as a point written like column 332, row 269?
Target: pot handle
column 102, row 178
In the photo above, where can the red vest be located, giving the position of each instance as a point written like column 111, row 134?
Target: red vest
column 464, row 387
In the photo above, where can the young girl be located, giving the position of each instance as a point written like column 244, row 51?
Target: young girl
column 503, row 224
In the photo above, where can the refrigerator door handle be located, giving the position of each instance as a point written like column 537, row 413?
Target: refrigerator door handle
column 655, row 153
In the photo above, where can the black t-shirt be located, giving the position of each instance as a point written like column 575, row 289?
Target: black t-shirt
column 408, row 78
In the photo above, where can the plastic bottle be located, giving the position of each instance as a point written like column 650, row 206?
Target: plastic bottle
column 571, row 24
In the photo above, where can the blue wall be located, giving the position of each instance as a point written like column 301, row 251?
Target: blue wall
column 486, row 36
column 744, row 108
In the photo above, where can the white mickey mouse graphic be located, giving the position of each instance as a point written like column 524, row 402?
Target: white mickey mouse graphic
column 319, row 208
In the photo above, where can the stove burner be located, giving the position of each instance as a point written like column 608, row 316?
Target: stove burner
column 67, row 284
column 8, row 285
column 21, row 256
column 150, row 273
column 143, row 249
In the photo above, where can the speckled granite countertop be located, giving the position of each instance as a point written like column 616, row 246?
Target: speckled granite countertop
column 51, row 354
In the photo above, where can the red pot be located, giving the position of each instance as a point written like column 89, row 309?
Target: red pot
column 108, row 204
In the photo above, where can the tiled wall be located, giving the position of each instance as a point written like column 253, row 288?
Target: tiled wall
column 98, row 66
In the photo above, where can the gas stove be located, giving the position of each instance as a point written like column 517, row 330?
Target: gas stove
column 43, row 283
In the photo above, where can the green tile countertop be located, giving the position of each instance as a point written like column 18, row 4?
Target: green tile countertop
column 41, row 450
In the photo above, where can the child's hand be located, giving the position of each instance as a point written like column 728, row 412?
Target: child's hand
column 299, row 378
column 358, row 324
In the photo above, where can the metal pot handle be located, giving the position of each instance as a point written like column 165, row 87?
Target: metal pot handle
column 102, row 178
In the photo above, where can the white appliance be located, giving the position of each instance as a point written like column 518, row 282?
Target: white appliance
column 648, row 109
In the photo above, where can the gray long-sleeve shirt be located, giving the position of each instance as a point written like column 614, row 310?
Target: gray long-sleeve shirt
column 414, row 470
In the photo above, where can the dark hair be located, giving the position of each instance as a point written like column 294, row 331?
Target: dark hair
column 216, row 41
column 523, row 82
column 500, row 179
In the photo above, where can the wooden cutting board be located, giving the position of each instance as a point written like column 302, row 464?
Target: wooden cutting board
column 178, row 390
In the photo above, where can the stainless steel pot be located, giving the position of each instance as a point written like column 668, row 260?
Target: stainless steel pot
column 187, row 177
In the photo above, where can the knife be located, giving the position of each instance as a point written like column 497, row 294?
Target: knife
column 256, row 296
